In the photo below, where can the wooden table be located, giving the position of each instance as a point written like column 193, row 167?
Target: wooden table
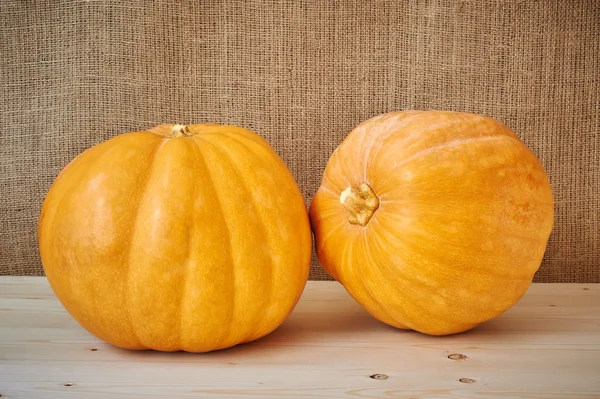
column 547, row 346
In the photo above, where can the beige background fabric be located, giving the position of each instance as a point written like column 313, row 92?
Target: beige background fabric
column 301, row 74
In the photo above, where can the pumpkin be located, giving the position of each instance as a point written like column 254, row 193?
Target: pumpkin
column 191, row 238
column 434, row 221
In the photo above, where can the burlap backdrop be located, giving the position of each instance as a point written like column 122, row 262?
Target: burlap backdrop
column 301, row 74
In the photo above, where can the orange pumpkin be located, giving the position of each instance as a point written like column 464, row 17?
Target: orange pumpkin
column 433, row 221
column 190, row 238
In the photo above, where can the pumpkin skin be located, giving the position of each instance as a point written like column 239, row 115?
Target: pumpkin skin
column 189, row 238
column 433, row 221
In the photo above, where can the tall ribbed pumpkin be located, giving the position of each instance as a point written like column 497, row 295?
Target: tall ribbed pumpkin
column 190, row 238
column 433, row 221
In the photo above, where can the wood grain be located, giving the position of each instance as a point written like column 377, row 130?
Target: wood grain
column 547, row 346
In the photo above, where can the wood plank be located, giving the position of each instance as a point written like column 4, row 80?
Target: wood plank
column 547, row 346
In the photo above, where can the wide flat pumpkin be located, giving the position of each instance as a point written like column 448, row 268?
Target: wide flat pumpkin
column 189, row 238
column 434, row 221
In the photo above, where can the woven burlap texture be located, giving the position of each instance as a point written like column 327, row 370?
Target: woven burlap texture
column 301, row 74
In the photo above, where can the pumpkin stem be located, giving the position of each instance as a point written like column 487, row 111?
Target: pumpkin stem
column 180, row 131
column 361, row 202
